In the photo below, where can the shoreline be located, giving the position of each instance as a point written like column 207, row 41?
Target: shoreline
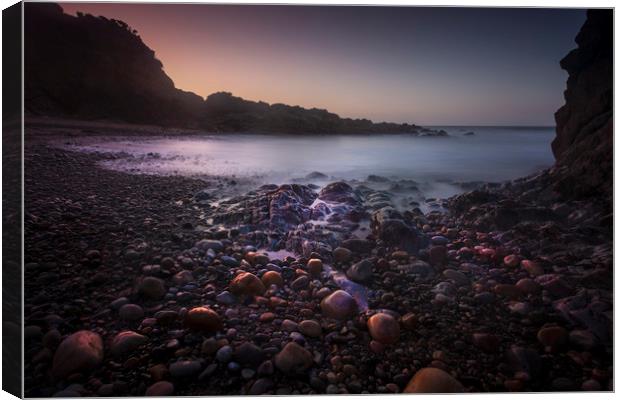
column 471, row 295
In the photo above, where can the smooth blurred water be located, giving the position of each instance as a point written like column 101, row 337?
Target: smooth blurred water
column 493, row 154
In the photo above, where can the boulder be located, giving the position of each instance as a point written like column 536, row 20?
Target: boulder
column 152, row 288
column 339, row 305
column 126, row 342
column 361, row 271
column 247, row 284
column 80, row 352
column 203, row 319
column 433, row 380
column 384, row 328
column 293, row 359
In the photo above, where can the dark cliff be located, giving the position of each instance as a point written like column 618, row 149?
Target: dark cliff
column 93, row 67
column 583, row 146
column 97, row 68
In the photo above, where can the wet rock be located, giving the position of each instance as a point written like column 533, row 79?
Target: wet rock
column 339, row 192
column 409, row 321
column 161, row 388
column 433, row 380
column 166, row 317
column 342, row 254
column 152, row 288
column 131, row 312
column 203, row 319
column 272, row 278
column 389, row 226
column 339, row 305
column 126, row 342
column 293, row 359
column 361, row 271
column 247, row 284
column 80, row 352
column 384, row 328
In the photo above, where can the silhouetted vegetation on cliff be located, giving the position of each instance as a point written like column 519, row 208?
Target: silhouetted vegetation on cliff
column 98, row 68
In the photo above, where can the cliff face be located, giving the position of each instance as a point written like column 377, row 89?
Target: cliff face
column 583, row 146
column 94, row 67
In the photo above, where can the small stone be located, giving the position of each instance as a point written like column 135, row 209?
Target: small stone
column 249, row 354
column 126, row 342
column 225, row 298
column 131, row 312
column 152, row 288
column 339, row 305
column 528, row 286
column 532, row 267
column 161, row 388
column 224, row 354
column 310, row 328
column 552, row 337
column 184, row 369
column 361, row 271
column 261, row 386
column 384, row 328
column 433, row 380
column 183, row 277
column 583, row 338
column 80, row 352
column 203, row 319
column 341, row 254
column 300, row 283
column 247, row 284
column 315, row 266
column 272, row 278
column 511, row 261
column 409, row 321
column 508, row 291
column 293, row 359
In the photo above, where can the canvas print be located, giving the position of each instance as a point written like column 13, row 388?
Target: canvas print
column 226, row 199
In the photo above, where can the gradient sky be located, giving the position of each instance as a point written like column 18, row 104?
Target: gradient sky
column 430, row 66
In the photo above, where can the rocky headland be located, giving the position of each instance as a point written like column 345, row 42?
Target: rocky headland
column 151, row 285
column 95, row 68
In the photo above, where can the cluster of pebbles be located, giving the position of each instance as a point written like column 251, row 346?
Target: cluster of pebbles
column 144, row 285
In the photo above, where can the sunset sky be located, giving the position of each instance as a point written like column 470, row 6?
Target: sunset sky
column 430, row 66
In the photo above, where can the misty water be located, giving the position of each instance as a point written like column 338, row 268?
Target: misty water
column 492, row 154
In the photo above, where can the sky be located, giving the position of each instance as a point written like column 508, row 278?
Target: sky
column 429, row 66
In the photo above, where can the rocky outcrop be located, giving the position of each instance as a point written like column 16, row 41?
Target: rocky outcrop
column 583, row 146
